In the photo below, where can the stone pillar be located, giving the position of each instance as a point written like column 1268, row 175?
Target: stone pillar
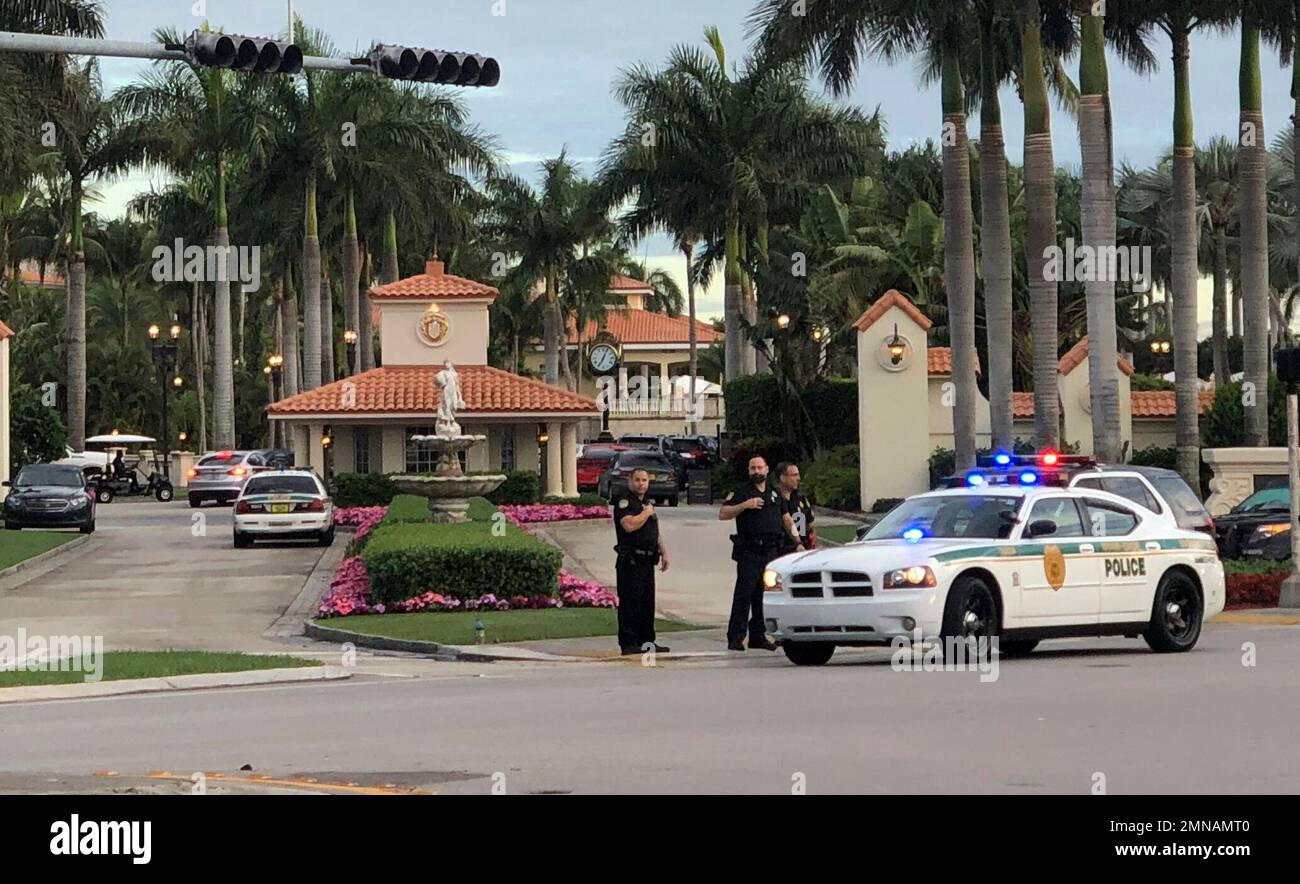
column 622, row 386
column 665, row 389
column 300, row 443
column 569, row 435
column 554, row 460
column 316, row 454
column 392, row 449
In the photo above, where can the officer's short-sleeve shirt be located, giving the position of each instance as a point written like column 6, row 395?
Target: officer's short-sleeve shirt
column 645, row 537
column 766, row 520
column 800, row 509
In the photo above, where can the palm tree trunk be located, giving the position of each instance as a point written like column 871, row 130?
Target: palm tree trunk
column 311, row 328
column 351, row 271
column 959, row 259
column 692, row 334
column 551, row 330
column 365, row 321
column 292, row 356
column 326, row 325
column 733, row 300
column 995, row 246
column 199, row 342
column 1040, row 228
column 1238, row 309
column 1184, row 271
column 76, row 301
column 223, row 386
column 1252, row 161
column 1221, row 369
column 389, row 271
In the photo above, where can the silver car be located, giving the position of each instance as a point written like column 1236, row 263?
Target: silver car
column 220, row 475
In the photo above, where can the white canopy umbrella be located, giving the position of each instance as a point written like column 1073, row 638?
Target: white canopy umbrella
column 120, row 439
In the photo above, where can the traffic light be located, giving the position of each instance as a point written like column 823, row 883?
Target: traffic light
column 434, row 66
column 255, row 54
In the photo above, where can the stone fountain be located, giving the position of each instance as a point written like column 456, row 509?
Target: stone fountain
column 448, row 489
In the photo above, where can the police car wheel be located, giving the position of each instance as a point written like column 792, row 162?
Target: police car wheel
column 808, row 653
column 1175, row 615
column 971, row 612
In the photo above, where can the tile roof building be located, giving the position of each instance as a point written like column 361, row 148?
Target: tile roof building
column 425, row 320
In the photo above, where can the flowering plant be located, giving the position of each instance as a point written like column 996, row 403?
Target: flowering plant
column 552, row 512
column 365, row 518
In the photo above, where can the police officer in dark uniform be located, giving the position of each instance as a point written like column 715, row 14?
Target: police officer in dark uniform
column 799, row 535
column 639, row 548
column 760, row 516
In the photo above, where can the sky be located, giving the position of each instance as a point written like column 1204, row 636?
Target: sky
column 559, row 59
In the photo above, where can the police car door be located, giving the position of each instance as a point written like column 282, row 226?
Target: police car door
column 1127, row 586
column 1058, row 571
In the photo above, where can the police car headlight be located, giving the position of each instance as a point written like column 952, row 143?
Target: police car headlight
column 1263, row 532
column 771, row 581
column 910, row 578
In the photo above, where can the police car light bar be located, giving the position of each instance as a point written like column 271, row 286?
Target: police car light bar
column 1045, row 460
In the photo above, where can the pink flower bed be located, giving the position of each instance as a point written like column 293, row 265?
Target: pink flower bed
column 552, row 512
column 349, row 591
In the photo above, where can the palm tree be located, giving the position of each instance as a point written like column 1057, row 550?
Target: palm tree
column 1253, row 168
column 193, row 113
column 746, row 140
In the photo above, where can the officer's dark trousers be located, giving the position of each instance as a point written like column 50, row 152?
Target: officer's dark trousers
column 636, row 602
column 747, row 602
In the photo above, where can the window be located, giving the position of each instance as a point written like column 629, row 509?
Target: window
column 420, row 458
column 508, row 448
column 963, row 516
column 1108, row 519
column 1131, row 488
column 1060, row 510
column 361, row 449
column 1188, row 511
column 1093, row 482
column 1268, row 500
column 303, row 484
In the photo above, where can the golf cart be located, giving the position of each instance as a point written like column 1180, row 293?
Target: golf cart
column 141, row 477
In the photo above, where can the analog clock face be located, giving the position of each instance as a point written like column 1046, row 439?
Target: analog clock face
column 603, row 357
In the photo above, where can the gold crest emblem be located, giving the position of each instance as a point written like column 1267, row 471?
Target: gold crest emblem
column 1054, row 567
column 622, row 503
column 434, row 326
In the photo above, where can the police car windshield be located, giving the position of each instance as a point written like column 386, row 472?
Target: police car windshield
column 1268, row 499
column 964, row 516
column 281, row 485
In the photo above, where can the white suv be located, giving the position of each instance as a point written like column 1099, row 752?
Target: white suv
column 284, row 505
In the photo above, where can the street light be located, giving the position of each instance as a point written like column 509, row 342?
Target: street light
column 350, row 338
column 164, row 360
column 275, row 370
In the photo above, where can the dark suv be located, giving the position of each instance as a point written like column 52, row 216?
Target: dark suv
column 1257, row 528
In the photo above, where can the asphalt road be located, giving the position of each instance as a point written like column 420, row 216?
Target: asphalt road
column 157, row 576
column 1051, row 723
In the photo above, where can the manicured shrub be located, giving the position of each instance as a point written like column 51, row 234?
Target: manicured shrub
column 772, row 449
column 833, row 404
column 363, row 489
column 1155, row 456
column 520, row 487
column 407, row 508
column 1255, row 590
column 1223, row 425
column 464, row 561
column 832, row 486
column 883, row 505
column 751, row 403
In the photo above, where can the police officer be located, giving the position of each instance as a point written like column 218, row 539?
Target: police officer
column 760, row 517
column 639, row 548
column 799, row 518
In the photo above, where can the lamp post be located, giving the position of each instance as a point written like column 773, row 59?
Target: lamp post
column 327, row 446
column 275, row 368
column 164, row 360
column 350, row 339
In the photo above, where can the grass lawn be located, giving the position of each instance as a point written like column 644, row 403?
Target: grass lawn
column 457, row 627
column 118, row 665
column 837, row 533
column 18, row 546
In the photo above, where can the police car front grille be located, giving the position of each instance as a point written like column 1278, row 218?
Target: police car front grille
column 841, row 584
column 807, row 577
column 806, row 592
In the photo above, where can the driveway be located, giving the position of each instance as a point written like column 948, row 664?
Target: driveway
column 156, row 576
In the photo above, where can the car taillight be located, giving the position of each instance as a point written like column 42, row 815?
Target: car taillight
column 315, row 506
column 238, row 471
column 244, row 507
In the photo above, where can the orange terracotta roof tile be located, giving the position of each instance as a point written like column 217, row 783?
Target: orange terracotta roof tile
column 435, row 282
column 938, row 360
column 1079, row 352
column 5, row 331
column 32, row 276
column 891, row 298
column 409, row 389
column 1161, row 403
column 1022, row 405
column 626, row 283
column 644, row 327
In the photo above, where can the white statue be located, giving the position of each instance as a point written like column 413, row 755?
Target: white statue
column 448, row 381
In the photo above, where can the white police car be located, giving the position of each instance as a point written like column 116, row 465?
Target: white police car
column 284, row 505
column 1011, row 553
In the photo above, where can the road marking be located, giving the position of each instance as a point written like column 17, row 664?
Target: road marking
column 307, row 783
column 1258, row 619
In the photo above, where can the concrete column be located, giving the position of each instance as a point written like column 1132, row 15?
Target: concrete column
column 527, row 457
column 392, row 449
column 6, row 409
column 622, row 384
column 301, row 444
column 554, row 460
column 665, row 389
column 316, row 454
column 569, row 435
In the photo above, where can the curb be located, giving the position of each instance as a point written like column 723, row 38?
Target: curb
column 448, row 653
column 292, row 620
column 171, row 683
column 50, row 554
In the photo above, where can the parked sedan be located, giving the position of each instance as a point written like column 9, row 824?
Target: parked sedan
column 594, row 460
column 663, row 476
column 284, row 505
column 49, row 496
column 1257, row 528
column 221, row 475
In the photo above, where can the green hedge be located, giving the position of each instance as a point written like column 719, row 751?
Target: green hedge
column 772, row 449
column 829, row 485
column 1155, row 456
column 1223, row 425
column 520, row 487
column 459, row 561
column 407, row 508
column 754, row 407
column 363, row 489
